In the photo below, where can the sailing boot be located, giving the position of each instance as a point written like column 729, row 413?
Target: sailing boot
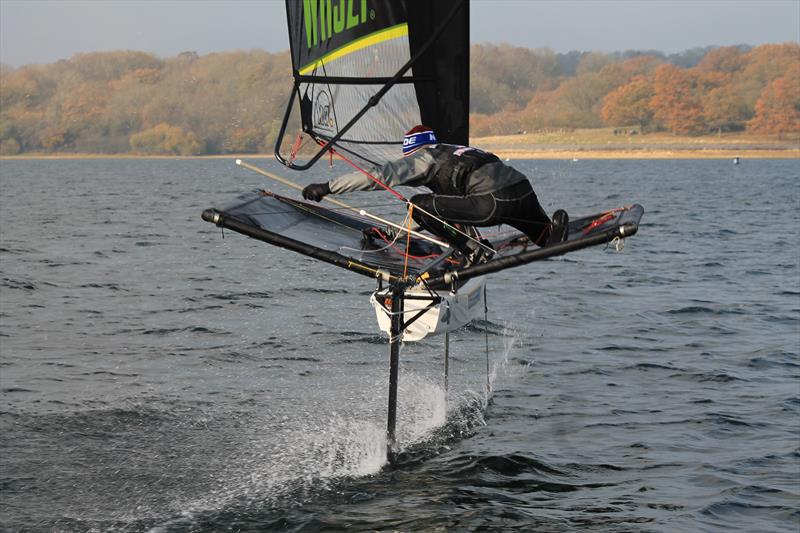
column 559, row 228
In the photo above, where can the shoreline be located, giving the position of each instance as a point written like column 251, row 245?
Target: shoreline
column 660, row 153
column 511, row 153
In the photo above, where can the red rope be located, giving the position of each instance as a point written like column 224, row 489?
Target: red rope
column 298, row 143
column 367, row 174
column 398, row 250
column 599, row 221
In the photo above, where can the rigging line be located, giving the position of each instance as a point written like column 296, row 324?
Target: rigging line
column 408, row 240
column 298, row 144
column 391, row 244
column 404, row 199
column 361, row 212
column 331, row 209
column 316, row 213
column 367, row 174
column 486, row 337
column 401, row 252
column 288, row 183
column 310, row 210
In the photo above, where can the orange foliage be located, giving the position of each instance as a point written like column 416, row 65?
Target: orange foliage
column 166, row 139
column 778, row 108
column 622, row 73
column 114, row 102
column 676, row 100
column 53, row 138
column 630, row 104
column 771, row 61
column 85, row 105
column 724, row 59
column 20, row 87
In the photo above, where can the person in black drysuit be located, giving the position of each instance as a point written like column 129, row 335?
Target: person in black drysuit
column 470, row 187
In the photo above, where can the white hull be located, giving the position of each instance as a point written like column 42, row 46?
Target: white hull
column 454, row 311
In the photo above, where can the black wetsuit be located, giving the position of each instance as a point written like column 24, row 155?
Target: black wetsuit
column 469, row 187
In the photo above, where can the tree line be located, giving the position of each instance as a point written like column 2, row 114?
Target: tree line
column 135, row 102
column 727, row 89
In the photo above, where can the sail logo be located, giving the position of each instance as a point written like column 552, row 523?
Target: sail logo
column 326, row 18
column 323, row 112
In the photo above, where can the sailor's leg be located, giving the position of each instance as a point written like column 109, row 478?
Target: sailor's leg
column 519, row 207
column 436, row 211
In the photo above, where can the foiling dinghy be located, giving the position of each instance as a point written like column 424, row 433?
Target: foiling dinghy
column 364, row 70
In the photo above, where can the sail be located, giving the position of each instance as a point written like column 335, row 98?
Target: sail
column 366, row 71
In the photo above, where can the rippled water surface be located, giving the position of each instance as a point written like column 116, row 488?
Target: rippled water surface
column 159, row 376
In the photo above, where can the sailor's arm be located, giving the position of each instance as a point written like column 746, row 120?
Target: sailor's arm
column 409, row 171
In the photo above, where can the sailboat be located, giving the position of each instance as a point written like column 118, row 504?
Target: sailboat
column 364, row 71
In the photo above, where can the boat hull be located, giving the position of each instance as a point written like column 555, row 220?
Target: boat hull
column 456, row 309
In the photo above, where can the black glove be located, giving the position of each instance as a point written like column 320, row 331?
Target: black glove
column 316, row 191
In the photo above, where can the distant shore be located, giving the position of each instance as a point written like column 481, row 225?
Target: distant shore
column 656, row 153
column 601, row 143
column 531, row 152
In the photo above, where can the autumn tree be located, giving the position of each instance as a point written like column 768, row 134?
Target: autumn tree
column 778, row 108
column 9, row 145
column 729, row 59
column 724, row 109
column 676, row 100
column 504, row 75
column 108, row 66
column 629, row 104
column 234, row 102
column 624, row 72
column 166, row 139
column 594, row 62
column 763, row 65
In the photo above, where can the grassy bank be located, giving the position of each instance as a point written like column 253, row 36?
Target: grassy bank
column 606, row 144
column 576, row 144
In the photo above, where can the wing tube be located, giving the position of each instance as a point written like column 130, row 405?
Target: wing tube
column 226, row 221
column 523, row 258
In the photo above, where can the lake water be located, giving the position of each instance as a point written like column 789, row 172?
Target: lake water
column 158, row 375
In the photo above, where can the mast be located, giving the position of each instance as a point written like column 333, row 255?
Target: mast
column 395, row 334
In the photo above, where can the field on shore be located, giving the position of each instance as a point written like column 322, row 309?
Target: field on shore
column 600, row 143
column 605, row 144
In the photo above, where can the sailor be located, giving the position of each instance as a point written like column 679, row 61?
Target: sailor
column 470, row 187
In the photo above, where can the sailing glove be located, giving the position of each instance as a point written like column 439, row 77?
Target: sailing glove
column 316, row 191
